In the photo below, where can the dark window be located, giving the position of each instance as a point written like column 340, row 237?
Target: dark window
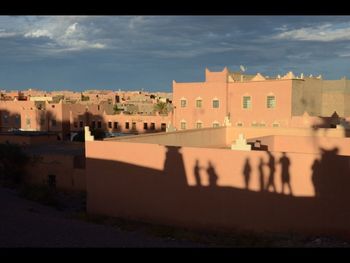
column 133, row 126
column 93, row 124
column 115, row 125
column 99, row 124
column 51, row 181
column 53, row 122
column 75, row 124
column 145, row 125
column 163, row 126
column 81, row 124
column 153, row 126
column 110, row 124
column 126, row 125
column 117, row 99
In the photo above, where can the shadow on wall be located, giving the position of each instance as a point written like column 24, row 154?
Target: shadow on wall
column 164, row 196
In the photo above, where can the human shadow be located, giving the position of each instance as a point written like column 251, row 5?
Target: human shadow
column 196, row 172
column 272, row 169
column 212, row 175
column 247, row 169
column 285, row 174
column 261, row 174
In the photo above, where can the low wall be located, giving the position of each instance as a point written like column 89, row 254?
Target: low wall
column 196, row 137
column 27, row 139
column 219, row 188
column 68, row 177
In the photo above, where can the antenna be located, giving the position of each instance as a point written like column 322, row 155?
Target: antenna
column 243, row 69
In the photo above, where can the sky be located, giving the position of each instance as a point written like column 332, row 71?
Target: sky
column 149, row 52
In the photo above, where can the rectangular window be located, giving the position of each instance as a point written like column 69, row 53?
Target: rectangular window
column 198, row 125
column 81, row 124
column 127, row 125
column 183, row 103
column 183, row 125
column 153, row 126
column 271, row 102
column 275, row 125
column 247, row 102
column 53, row 122
column 99, row 124
column 145, row 126
column 93, row 124
column 198, row 103
column 163, row 127
column 110, row 125
column 216, row 125
column 239, row 124
column 6, row 119
column 115, row 125
column 75, row 124
column 133, row 126
column 216, row 104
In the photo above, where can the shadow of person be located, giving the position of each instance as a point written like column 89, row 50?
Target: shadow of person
column 246, row 173
column 261, row 175
column 213, row 177
column 272, row 170
column 196, row 171
column 285, row 175
column 316, row 173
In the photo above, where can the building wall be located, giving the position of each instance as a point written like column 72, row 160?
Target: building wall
column 161, row 187
column 68, row 175
column 259, row 113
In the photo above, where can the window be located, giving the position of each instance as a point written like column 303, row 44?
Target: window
column 198, row 103
column 127, row 125
column 163, row 126
column 75, row 124
column 271, row 102
column 93, row 124
column 247, row 102
column 183, row 103
column 153, row 126
column 199, row 125
column 110, row 125
column 216, row 125
column 275, row 125
column 145, row 126
column 53, row 123
column 81, row 124
column 133, row 126
column 17, row 120
column 99, row 124
column 6, row 118
column 216, row 103
column 183, row 125
column 239, row 124
column 115, row 125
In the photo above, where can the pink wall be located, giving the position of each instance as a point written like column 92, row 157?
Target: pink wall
column 157, row 183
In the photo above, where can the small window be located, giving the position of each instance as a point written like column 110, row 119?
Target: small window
column 163, row 127
column 275, row 125
column 183, row 125
column 53, row 122
column 133, row 126
column 271, row 102
column 127, row 125
column 75, row 124
column 6, row 118
column 81, row 124
column 198, row 103
column 145, row 126
column 115, row 125
column 99, row 124
column 53, row 106
column 153, row 126
column 110, row 125
column 247, row 102
column 216, row 125
column 93, row 124
column 199, row 125
column 239, row 124
column 255, row 124
column 216, row 103
column 183, row 103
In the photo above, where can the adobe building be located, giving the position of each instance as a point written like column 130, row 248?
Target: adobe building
column 233, row 98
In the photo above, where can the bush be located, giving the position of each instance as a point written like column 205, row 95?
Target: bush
column 39, row 193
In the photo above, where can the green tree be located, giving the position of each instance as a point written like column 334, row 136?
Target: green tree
column 161, row 107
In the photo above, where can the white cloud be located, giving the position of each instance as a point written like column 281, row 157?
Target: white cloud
column 324, row 33
column 38, row 33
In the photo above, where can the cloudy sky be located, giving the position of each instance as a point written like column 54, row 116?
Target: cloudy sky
column 148, row 52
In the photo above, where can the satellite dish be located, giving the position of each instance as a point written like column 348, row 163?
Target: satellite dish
column 243, row 69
